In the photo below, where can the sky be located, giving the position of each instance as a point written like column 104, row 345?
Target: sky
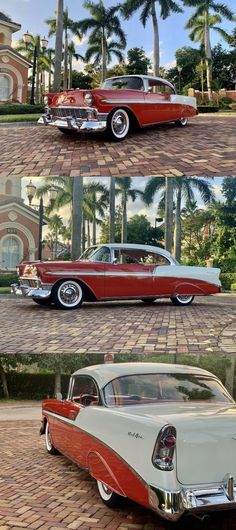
column 134, row 208
column 31, row 15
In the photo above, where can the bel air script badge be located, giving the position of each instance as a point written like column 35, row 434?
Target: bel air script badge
column 135, row 435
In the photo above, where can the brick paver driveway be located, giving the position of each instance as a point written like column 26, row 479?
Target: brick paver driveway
column 206, row 147
column 42, row 492
column 209, row 325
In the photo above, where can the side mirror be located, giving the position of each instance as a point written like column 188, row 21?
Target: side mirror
column 58, row 396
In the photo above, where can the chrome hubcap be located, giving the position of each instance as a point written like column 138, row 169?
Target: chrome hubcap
column 184, row 298
column 69, row 293
column 119, row 123
column 183, row 121
column 106, row 489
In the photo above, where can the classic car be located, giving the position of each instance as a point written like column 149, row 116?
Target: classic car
column 115, row 272
column 121, row 102
column 163, row 435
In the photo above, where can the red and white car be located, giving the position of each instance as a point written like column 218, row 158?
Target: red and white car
column 162, row 435
column 121, row 102
column 115, row 272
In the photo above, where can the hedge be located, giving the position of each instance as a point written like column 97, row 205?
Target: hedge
column 227, row 278
column 21, row 109
column 207, row 108
column 7, row 279
column 33, row 386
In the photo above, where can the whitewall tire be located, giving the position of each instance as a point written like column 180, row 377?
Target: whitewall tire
column 109, row 497
column 48, row 441
column 67, row 294
column 182, row 299
column 118, row 124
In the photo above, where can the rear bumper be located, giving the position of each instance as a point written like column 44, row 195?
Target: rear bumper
column 25, row 290
column 171, row 505
column 99, row 124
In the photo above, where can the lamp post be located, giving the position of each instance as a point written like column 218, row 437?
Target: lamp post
column 30, row 192
column 28, row 39
column 179, row 68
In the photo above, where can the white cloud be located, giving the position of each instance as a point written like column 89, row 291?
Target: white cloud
column 78, row 41
column 172, row 64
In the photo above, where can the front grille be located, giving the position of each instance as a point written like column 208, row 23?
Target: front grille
column 29, row 283
column 68, row 112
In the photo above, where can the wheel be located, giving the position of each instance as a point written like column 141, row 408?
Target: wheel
column 67, row 294
column 182, row 300
column 148, row 300
column 109, row 497
column 42, row 301
column 118, row 124
column 69, row 132
column 182, row 122
column 49, row 445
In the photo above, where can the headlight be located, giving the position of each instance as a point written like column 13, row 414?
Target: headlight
column 45, row 100
column 35, row 271
column 88, row 98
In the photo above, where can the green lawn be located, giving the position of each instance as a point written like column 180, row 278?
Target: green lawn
column 9, row 118
column 5, row 290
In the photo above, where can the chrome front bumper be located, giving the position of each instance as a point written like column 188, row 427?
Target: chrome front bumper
column 73, row 123
column 172, row 505
column 26, row 290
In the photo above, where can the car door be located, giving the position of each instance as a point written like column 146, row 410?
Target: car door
column 158, row 103
column 130, row 275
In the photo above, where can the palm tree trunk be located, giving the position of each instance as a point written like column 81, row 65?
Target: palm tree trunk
column 104, row 56
column 70, row 71
column 58, row 47
column 88, row 234
column 177, row 235
column 156, row 50
column 50, row 72
column 94, row 219
column 65, row 83
column 112, row 209
column 77, row 211
column 38, row 72
column 83, row 234
column 124, row 218
column 4, row 383
column 57, row 383
column 208, row 56
column 168, row 213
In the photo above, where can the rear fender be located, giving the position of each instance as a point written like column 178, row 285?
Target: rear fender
column 188, row 288
column 100, row 470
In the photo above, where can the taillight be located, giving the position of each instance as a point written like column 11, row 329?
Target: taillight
column 164, row 449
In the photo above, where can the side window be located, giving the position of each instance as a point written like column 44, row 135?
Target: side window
column 84, row 391
column 156, row 87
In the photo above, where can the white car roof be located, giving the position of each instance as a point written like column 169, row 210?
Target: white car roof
column 143, row 76
column 104, row 373
column 149, row 248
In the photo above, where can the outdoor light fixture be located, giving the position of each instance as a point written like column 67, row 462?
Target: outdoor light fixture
column 30, row 191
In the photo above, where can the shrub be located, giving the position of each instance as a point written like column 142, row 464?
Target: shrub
column 33, row 386
column 7, row 279
column 227, row 279
column 13, row 108
column 225, row 102
column 233, row 106
column 233, row 286
column 207, row 108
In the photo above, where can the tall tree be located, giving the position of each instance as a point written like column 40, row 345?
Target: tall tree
column 202, row 18
column 148, row 10
column 124, row 188
column 104, row 22
column 58, row 46
column 95, row 51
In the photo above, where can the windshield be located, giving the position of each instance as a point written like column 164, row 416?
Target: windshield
column 152, row 388
column 125, row 83
column 96, row 254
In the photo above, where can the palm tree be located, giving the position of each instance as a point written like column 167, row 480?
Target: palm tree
column 58, row 46
column 148, row 10
column 43, row 61
column 68, row 24
column 105, row 23
column 95, row 50
column 184, row 189
column 124, row 188
column 72, row 54
column 112, row 211
column 55, row 225
column 206, row 15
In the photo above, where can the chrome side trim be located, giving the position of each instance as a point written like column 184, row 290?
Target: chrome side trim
column 94, row 273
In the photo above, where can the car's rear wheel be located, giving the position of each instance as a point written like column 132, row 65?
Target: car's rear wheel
column 48, row 440
column 148, row 300
column 67, row 294
column 182, row 122
column 109, row 497
column 182, row 300
column 118, row 124
column 42, row 301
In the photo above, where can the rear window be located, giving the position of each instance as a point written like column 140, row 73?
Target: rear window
column 153, row 388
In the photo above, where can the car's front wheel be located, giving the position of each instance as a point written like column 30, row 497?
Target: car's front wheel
column 182, row 300
column 109, row 497
column 67, row 294
column 48, row 440
column 118, row 124
column 182, row 122
column 42, row 301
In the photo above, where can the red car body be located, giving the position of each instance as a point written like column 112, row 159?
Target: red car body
column 115, row 272
column 120, row 103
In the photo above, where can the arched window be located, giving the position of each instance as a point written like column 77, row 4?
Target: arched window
column 5, row 87
column 10, row 252
column 8, row 187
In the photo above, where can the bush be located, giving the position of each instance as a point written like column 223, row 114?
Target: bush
column 33, row 386
column 225, row 102
column 233, row 106
column 227, row 279
column 7, row 279
column 233, row 286
column 14, row 108
column 207, row 108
